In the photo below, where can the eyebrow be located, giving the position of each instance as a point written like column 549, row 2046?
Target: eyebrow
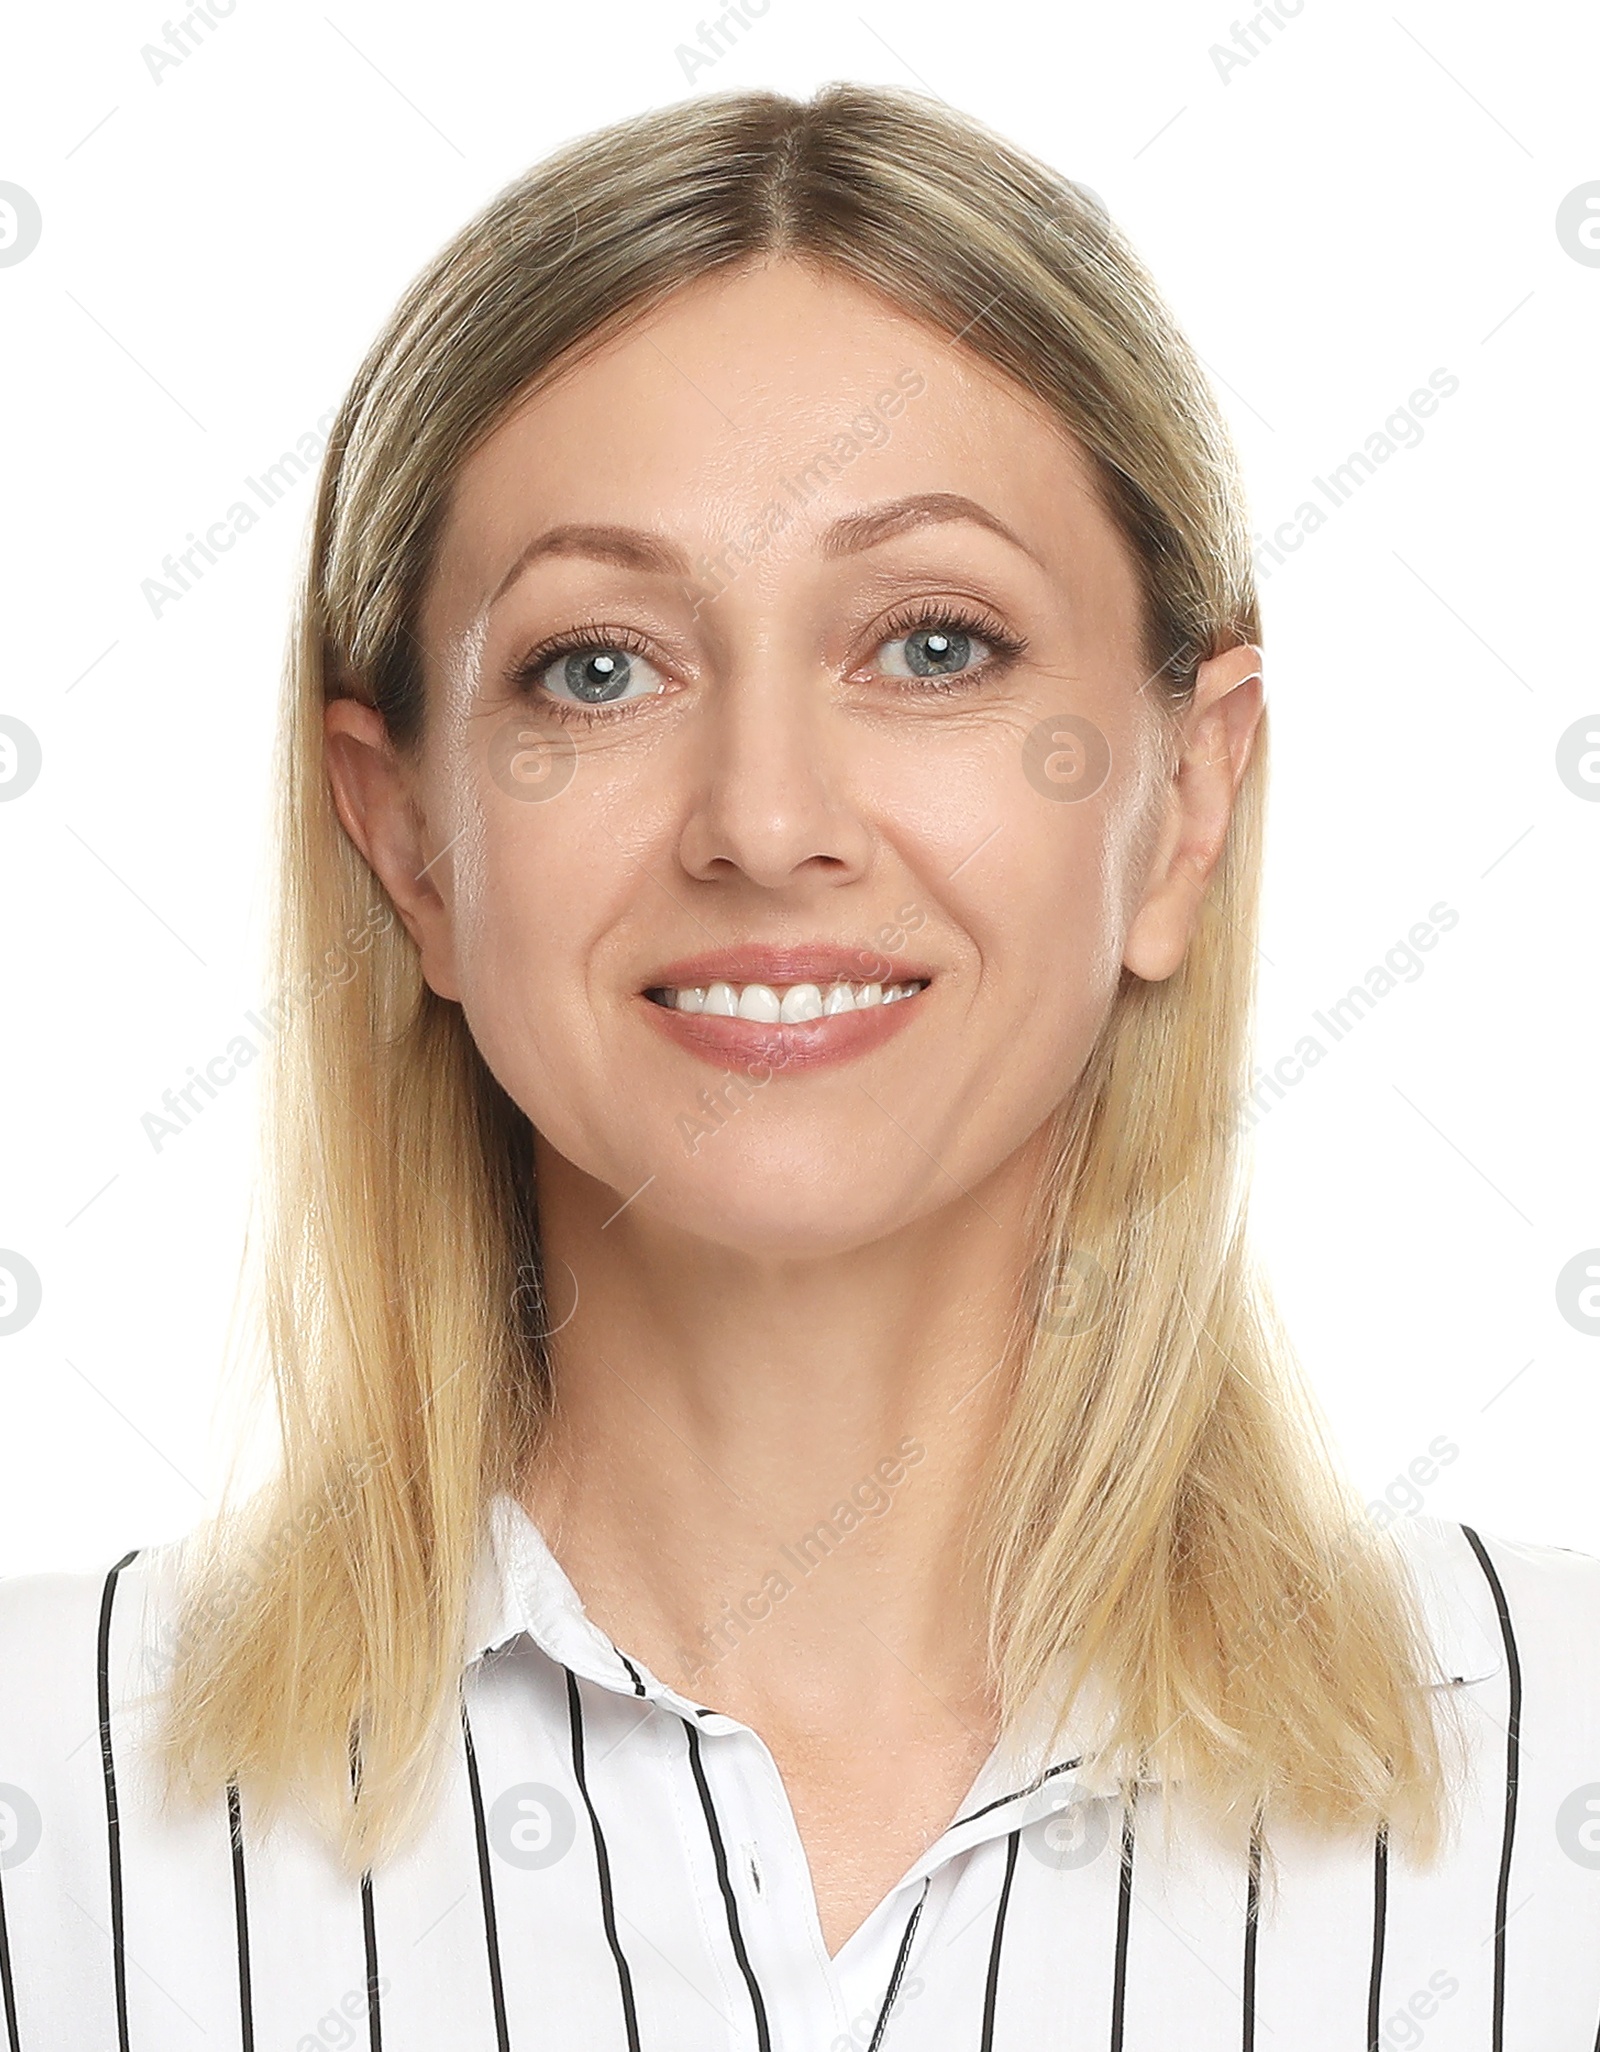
column 635, row 548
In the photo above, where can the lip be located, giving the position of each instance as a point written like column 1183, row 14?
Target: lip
column 817, row 962
column 755, row 1045
column 760, row 1050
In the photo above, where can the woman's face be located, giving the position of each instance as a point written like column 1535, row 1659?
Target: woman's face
column 793, row 789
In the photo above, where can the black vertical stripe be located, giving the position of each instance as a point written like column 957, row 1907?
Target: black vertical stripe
column 1252, row 1916
column 369, row 1941
column 241, row 1921
column 991, row 1986
column 369, row 1920
column 633, row 1673
column 1380, row 1914
column 1119, row 1976
column 491, row 1928
column 7, row 1992
column 108, row 1768
column 608, row 1914
column 898, row 1974
column 720, row 1855
column 1513, row 1761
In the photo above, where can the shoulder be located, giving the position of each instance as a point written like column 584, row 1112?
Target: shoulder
column 1492, row 1602
column 72, row 1640
column 1545, row 1579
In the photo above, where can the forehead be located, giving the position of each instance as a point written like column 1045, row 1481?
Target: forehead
column 779, row 383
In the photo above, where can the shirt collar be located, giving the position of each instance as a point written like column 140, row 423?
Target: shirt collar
column 1026, row 1779
column 522, row 1588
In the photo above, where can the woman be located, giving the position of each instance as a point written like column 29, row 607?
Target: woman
column 795, row 1528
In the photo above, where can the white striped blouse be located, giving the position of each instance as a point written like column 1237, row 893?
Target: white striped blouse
column 613, row 1865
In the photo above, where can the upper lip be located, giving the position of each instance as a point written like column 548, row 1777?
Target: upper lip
column 819, row 962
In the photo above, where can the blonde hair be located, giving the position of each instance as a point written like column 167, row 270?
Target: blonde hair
column 1161, row 1515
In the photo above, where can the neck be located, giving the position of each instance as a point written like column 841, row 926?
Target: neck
column 759, row 1472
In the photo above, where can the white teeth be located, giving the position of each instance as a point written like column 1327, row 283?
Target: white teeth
column 803, row 1001
column 760, row 1002
column 792, row 1005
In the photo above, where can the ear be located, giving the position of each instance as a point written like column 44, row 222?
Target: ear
column 374, row 791
column 1218, row 732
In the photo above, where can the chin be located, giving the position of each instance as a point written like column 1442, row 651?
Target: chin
column 757, row 1208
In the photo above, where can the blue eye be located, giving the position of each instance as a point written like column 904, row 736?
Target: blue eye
column 932, row 651
column 940, row 647
column 597, row 676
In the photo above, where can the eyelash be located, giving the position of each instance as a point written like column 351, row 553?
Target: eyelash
column 525, row 674
column 1006, row 648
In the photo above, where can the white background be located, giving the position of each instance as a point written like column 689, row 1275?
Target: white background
column 1369, row 198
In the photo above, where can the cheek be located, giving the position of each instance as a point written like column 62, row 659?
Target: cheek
column 1040, row 910
column 1016, row 892
column 945, row 798
column 1043, row 901
column 529, row 893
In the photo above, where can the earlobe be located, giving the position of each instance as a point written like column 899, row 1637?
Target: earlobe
column 373, row 793
column 1219, row 728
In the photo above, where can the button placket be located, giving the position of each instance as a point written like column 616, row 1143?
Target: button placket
column 778, row 1904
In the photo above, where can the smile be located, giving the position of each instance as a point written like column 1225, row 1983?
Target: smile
column 791, row 1009
column 791, row 1004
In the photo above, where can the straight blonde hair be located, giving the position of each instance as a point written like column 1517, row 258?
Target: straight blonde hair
column 1161, row 1517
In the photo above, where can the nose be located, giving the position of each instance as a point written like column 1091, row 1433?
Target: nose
column 773, row 799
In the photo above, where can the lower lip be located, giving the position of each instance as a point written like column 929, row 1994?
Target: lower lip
column 814, row 1044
